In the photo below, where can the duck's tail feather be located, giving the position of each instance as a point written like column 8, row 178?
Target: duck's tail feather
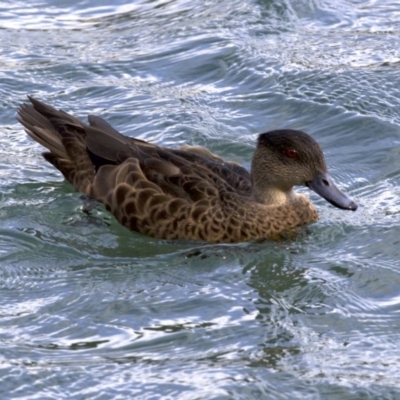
column 64, row 136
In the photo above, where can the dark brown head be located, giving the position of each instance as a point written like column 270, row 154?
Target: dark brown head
column 286, row 158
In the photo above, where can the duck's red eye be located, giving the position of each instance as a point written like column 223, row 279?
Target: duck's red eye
column 291, row 153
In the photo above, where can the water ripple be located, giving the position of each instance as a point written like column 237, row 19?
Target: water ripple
column 88, row 309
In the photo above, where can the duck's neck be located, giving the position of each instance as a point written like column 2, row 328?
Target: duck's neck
column 271, row 196
column 267, row 186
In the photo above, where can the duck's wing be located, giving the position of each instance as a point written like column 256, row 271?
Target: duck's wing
column 232, row 173
column 173, row 171
column 191, row 157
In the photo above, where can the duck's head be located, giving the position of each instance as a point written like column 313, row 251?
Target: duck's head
column 286, row 158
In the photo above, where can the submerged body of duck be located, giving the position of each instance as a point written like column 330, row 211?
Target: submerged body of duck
column 187, row 193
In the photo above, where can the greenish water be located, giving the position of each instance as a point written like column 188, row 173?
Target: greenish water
column 90, row 310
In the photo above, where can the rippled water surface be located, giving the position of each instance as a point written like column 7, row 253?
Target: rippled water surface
column 91, row 310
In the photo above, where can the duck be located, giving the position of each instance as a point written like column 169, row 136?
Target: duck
column 187, row 193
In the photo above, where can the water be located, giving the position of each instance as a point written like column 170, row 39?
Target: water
column 90, row 310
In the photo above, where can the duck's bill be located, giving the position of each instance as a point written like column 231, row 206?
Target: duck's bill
column 324, row 186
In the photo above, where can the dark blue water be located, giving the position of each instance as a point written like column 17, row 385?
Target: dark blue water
column 89, row 310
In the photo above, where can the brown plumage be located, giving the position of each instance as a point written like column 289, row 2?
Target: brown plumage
column 187, row 193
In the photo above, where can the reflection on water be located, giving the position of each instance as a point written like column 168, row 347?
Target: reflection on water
column 91, row 309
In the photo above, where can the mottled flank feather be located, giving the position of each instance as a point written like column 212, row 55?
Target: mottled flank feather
column 186, row 193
